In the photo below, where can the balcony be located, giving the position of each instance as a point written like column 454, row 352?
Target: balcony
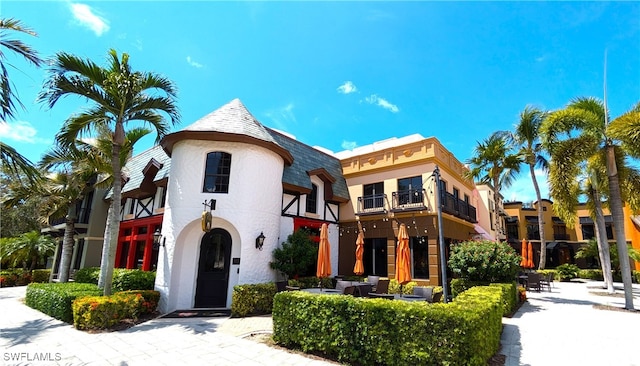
column 533, row 236
column 457, row 207
column 560, row 236
column 372, row 205
column 83, row 218
column 408, row 200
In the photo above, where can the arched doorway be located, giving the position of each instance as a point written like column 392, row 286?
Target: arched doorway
column 213, row 269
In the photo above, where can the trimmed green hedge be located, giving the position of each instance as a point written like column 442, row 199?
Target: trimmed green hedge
column 123, row 279
column 55, row 299
column 252, row 299
column 40, row 275
column 14, row 277
column 382, row 332
column 102, row 312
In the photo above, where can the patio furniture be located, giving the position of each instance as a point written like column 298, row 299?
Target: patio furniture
column 373, row 280
column 381, row 296
column 341, row 285
column 533, row 281
column 349, row 290
column 424, row 291
column 546, row 281
column 362, row 289
column 382, row 287
column 437, row 297
column 283, row 286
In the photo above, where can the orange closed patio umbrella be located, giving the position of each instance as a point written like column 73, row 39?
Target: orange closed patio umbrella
column 403, row 258
column 323, row 268
column 523, row 252
column 358, row 269
column 530, row 256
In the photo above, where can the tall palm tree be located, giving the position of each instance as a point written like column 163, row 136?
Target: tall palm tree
column 626, row 129
column 526, row 139
column 79, row 170
column 589, row 118
column 495, row 164
column 8, row 97
column 119, row 98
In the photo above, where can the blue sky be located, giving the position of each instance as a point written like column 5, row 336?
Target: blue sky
column 341, row 75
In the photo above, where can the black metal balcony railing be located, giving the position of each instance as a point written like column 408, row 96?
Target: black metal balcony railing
column 408, row 199
column 82, row 218
column 455, row 206
column 371, row 204
column 561, row 236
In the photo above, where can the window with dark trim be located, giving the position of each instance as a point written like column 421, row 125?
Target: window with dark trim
column 216, row 174
column 312, row 199
column 373, row 195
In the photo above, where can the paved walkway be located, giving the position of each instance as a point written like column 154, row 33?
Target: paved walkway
column 560, row 327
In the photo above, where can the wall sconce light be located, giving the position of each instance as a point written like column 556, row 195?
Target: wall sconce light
column 156, row 239
column 260, row 241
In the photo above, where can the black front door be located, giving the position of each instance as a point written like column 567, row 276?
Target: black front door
column 213, row 270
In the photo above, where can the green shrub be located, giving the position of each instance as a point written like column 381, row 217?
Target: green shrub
column 382, row 332
column 133, row 279
column 87, row 275
column 102, row 312
column 294, row 257
column 567, row 271
column 15, row 277
column 407, row 289
column 509, row 292
column 55, row 299
column 123, row 279
column 150, row 300
column 636, row 276
column 484, row 261
column 591, row 274
column 252, row 299
column 40, row 275
column 311, row 282
column 551, row 272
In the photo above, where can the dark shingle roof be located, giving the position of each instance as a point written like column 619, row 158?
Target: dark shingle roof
column 233, row 122
column 306, row 159
column 133, row 169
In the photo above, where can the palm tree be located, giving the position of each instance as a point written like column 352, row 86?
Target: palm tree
column 84, row 167
column 626, row 129
column 494, row 164
column 526, row 138
column 8, row 97
column 28, row 249
column 119, row 98
column 589, row 118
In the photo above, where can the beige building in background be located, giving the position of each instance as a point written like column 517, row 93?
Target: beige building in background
column 391, row 182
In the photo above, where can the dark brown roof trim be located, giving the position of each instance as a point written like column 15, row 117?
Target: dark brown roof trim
column 169, row 140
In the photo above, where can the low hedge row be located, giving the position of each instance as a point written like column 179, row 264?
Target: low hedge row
column 123, row 279
column 376, row 331
column 102, row 312
column 21, row 277
column 252, row 299
column 55, row 299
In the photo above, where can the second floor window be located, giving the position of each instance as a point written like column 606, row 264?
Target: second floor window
column 312, row 199
column 410, row 190
column 373, row 195
column 217, row 171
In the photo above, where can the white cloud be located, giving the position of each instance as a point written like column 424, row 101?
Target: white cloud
column 21, row 131
column 282, row 116
column 193, row 63
column 522, row 188
column 349, row 145
column 347, row 88
column 381, row 102
column 86, row 17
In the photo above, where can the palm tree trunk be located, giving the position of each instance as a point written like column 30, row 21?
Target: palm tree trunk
column 113, row 226
column 67, row 244
column 496, row 196
column 615, row 205
column 543, row 242
column 603, row 243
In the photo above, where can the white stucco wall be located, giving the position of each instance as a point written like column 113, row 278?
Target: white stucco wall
column 252, row 205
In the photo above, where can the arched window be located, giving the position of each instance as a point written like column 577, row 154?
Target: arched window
column 312, row 199
column 216, row 174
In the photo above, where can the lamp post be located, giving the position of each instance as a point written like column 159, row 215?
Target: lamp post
column 443, row 257
column 156, row 239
